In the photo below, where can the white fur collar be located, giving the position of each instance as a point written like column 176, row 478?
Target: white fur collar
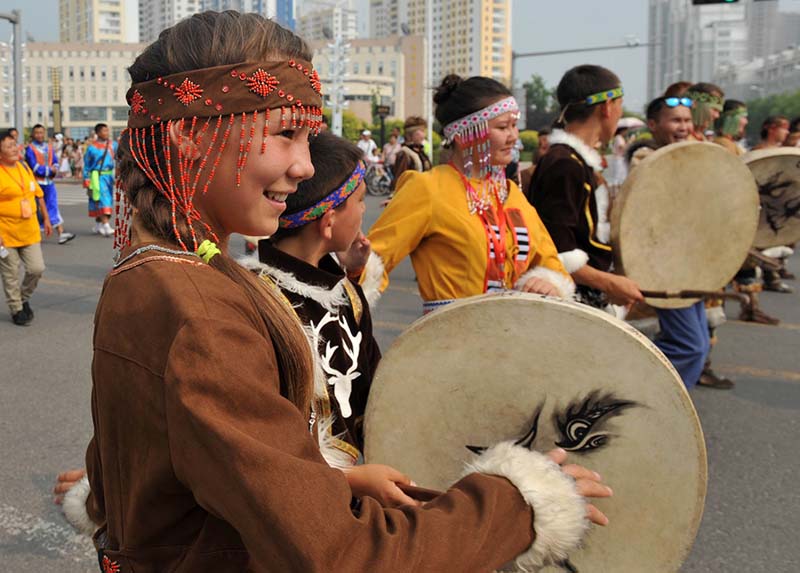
column 330, row 299
column 589, row 155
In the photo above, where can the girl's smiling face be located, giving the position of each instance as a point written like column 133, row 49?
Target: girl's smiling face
column 266, row 179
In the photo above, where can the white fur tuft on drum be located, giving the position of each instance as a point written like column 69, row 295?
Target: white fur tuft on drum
column 548, row 374
column 684, row 220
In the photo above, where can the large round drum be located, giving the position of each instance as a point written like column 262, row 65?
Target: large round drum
column 777, row 174
column 548, row 374
column 684, row 220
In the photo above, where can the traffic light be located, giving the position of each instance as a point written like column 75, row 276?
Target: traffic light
column 703, row 2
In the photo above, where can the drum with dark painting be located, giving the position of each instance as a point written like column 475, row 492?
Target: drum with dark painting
column 548, row 373
column 684, row 220
column 777, row 174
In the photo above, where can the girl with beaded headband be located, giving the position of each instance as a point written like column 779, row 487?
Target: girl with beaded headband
column 203, row 456
column 467, row 229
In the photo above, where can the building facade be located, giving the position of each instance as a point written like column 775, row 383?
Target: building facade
column 93, row 21
column 691, row 42
column 470, row 37
column 93, row 81
column 694, row 43
column 157, row 15
column 340, row 19
column 777, row 73
column 389, row 71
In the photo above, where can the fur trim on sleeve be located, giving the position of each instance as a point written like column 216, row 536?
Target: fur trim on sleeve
column 564, row 284
column 781, row 252
column 373, row 278
column 559, row 511
column 74, row 507
column 574, row 260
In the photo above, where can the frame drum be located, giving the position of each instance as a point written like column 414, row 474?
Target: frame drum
column 548, row 373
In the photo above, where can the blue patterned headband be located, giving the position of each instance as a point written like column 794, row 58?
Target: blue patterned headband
column 330, row 201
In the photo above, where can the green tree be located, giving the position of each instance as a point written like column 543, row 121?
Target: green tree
column 539, row 97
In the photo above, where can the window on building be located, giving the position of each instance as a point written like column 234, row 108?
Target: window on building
column 368, row 68
column 119, row 113
column 87, row 113
column 355, row 67
column 114, row 73
column 38, row 73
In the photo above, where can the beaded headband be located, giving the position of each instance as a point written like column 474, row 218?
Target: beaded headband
column 204, row 102
column 604, row 96
column 472, row 134
column 330, row 201
column 470, row 125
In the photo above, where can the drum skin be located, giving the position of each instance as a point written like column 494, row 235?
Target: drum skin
column 777, row 174
column 684, row 220
column 477, row 372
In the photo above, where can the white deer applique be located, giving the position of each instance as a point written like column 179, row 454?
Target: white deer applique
column 342, row 382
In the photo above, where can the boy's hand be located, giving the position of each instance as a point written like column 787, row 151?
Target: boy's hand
column 379, row 482
column 355, row 258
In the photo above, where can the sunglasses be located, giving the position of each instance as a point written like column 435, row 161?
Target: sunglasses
column 676, row 101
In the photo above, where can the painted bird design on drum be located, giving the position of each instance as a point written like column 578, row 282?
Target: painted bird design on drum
column 581, row 425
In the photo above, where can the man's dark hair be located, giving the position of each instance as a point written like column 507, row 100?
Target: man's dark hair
column 99, row 126
column 677, row 89
column 706, row 88
column 794, row 125
column 37, row 126
column 334, row 160
column 545, row 131
column 7, row 135
column 654, row 108
column 579, row 83
column 771, row 121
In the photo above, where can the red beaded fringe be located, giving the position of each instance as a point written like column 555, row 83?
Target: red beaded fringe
column 180, row 188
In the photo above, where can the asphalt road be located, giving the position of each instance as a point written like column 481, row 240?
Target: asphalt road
column 752, row 514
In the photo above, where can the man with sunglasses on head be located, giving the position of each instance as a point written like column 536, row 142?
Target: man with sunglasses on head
column 684, row 335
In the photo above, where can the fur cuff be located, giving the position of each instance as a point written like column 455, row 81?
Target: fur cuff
column 574, row 260
column 372, row 279
column 559, row 511
column 74, row 507
column 781, row 252
column 564, row 284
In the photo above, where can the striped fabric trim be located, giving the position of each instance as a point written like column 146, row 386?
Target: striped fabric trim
column 431, row 305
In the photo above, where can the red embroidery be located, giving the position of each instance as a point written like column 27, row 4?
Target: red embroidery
column 262, row 83
column 138, row 103
column 188, row 91
column 315, row 83
column 110, row 566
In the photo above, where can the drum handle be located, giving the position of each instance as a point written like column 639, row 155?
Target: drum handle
column 704, row 294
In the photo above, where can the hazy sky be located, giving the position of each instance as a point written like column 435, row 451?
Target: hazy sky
column 538, row 25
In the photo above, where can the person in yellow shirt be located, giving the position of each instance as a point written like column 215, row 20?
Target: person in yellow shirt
column 20, row 237
column 467, row 229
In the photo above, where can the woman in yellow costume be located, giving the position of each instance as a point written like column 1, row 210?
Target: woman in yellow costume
column 467, row 229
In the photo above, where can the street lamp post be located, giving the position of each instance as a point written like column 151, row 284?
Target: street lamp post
column 15, row 17
column 339, row 61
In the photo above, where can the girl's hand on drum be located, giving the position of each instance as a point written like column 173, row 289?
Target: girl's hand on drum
column 379, row 482
column 540, row 286
column 65, row 481
column 588, row 483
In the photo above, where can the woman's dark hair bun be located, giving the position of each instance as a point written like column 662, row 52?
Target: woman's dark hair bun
column 449, row 84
